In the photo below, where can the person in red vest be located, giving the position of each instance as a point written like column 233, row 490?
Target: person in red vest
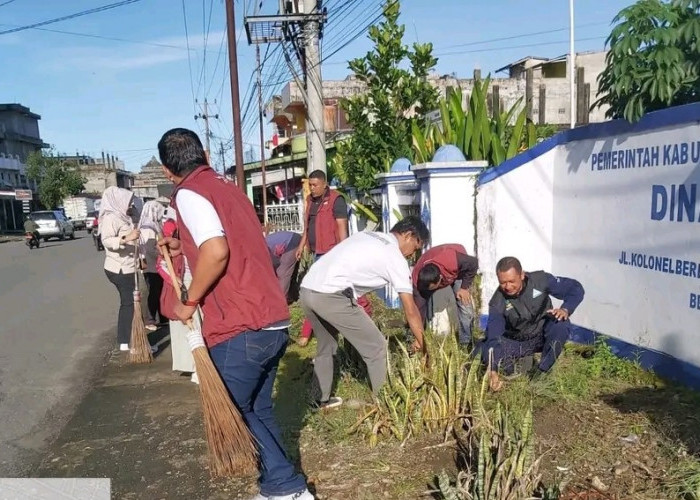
column 245, row 315
column 326, row 225
column 326, row 222
column 440, row 267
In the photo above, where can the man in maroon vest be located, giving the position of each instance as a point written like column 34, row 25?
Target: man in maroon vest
column 326, row 218
column 245, row 312
column 326, row 226
column 446, row 266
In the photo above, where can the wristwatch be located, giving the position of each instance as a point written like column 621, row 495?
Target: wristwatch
column 185, row 299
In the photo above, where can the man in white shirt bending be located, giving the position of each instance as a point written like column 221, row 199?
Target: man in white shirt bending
column 359, row 264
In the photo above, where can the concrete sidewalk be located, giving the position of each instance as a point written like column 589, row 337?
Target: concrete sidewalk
column 141, row 426
column 7, row 238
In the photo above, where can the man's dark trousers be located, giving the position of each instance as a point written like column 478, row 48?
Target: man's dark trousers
column 549, row 342
column 248, row 365
column 286, row 272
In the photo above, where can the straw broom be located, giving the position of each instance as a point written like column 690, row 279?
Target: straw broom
column 232, row 448
column 140, row 348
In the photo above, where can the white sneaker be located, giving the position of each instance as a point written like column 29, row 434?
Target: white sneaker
column 151, row 328
column 195, row 379
column 123, row 347
column 302, row 495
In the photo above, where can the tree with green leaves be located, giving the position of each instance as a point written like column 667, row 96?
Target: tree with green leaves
column 396, row 97
column 57, row 178
column 654, row 58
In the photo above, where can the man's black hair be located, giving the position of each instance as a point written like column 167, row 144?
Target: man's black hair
column 181, row 151
column 429, row 275
column 318, row 174
column 413, row 225
column 507, row 263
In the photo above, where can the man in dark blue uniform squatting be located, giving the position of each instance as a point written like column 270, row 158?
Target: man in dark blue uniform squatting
column 522, row 320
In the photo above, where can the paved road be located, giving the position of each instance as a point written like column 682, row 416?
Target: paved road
column 57, row 324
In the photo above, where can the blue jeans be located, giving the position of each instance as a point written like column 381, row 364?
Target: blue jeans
column 465, row 317
column 248, row 365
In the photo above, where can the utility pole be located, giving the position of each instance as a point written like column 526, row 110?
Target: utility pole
column 223, row 158
column 572, row 66
column 235, row 99
column 291, row 25
column 316, row 132
column 207, row 134
column 262, row 135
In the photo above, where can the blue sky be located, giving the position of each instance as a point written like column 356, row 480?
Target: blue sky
column 95, row 94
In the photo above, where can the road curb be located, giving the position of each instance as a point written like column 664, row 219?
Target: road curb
column 8, row 239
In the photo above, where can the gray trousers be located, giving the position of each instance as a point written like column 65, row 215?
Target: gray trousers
column 333, row 313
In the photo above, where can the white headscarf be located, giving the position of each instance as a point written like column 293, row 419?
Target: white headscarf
column 116, row 201
column 152, row 216
column 170, row 214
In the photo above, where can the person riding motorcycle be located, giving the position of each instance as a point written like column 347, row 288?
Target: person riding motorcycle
column 31, row 227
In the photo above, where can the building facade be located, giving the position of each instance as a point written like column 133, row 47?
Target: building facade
column 542, row 82
column 19, row 137
column 101, row 173
column 151, row 182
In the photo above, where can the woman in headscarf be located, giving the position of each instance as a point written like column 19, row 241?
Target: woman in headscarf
column 150, row 225
column 119, row 238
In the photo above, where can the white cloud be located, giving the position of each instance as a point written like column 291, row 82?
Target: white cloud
column 125, row 57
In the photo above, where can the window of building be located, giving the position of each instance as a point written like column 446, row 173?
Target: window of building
column 554, row 70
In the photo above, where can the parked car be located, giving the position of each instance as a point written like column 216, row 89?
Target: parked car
column 53, row 224
column 78, row 223
column 91, row 221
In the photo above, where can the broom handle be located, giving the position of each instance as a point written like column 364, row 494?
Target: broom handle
column 165, row 251
column 136, row 268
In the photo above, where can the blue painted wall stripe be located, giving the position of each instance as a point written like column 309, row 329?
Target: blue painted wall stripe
column 664, row 365
column 689, row 113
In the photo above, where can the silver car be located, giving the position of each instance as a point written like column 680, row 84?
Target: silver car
column 53, row 224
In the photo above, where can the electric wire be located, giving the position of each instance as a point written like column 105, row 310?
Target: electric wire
column 70, row 16
column 102, row 37
column 189, row 58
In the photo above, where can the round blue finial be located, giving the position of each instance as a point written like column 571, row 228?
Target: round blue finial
column 401, row 165
column 448, row 152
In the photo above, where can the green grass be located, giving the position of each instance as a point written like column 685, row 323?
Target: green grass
column 683, row 480
column 583, row 375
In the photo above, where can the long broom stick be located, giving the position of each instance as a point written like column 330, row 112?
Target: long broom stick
column 232, row 448
column 140, row 348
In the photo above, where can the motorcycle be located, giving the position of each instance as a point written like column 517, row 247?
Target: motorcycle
column 97, row 240
column 31, row 240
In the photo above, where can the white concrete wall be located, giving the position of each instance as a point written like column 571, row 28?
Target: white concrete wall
column 601, row 213
column 566, row 212
column 514, row 217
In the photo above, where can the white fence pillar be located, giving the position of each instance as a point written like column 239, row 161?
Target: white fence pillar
column 399, row 192
column 447, row 207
